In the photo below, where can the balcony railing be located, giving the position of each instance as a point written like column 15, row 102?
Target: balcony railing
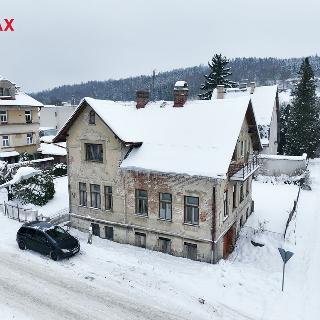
column 241, row 171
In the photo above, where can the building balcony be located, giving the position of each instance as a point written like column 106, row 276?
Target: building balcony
column 240, row 171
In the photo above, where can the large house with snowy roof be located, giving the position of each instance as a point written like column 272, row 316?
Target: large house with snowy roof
column 19, row 122
column 173, row 176
column 265, row 102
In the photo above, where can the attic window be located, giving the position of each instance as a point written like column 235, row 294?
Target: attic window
column 92, row 117
column 4, row 92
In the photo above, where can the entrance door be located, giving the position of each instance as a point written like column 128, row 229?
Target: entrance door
column 228, row 242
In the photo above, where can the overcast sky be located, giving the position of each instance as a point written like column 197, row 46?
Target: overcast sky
column 59, row 42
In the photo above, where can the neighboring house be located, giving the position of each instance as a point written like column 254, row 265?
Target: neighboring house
column 55, row 116
column 57, row 151
column 265, row 102
column 169, row 176
column 19, row 122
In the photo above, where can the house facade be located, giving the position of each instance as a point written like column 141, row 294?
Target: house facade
column 137, row 176
column 19, row 122
column 55, row 116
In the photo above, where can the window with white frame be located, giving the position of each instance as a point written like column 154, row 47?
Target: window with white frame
column 5, row 141
column 3, row 117
column 28, row 115
column 29, row 138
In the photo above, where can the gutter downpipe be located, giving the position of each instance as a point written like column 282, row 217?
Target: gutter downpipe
column 213, row 229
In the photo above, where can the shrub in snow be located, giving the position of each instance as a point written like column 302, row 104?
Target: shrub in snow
column 37, row 190
column 25, row 156
column 59, row 169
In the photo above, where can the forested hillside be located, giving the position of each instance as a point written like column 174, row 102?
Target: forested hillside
column 261, row 70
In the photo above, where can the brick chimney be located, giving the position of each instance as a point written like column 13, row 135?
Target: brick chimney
column 142, row 98
column 180, row 93
column 252, row 87
column 220, row 91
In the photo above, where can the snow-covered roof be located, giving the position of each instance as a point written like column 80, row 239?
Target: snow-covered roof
column 52, row 149
column 47, row 139
column 7, row 154
column 21, row 99
column 263, row 99
column 197, row 139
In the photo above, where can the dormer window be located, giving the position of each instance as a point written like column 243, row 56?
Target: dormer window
column 92, row 117
column 4, row 92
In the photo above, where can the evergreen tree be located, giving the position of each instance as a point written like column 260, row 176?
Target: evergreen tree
column 284, row 116
column 219, row 73
column 303, row 122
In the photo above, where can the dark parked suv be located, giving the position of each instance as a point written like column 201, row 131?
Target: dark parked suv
column 47, row 239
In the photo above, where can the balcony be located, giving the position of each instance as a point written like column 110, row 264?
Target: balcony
column 241, row 171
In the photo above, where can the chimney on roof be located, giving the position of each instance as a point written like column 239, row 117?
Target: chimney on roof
column 180, row 93
column 142, row 98
column 252, row 87
column 220, row 91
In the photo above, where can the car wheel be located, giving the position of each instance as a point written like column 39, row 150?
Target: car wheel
column 22, row 245
column 54, row 256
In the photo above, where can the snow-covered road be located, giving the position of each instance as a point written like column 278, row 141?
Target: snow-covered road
column 34, row 291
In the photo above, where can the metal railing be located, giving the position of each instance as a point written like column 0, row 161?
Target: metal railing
column 241, row 170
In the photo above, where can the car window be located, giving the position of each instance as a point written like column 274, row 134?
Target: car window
column 57, row 233
column 39, row 235
column 22, row 230
column 31, row 232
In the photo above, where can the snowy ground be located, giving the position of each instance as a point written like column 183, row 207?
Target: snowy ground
column 112, row 281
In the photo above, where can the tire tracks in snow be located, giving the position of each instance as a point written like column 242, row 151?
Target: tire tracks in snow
column 38, row 292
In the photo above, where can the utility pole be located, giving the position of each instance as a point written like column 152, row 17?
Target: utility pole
column 153, row 81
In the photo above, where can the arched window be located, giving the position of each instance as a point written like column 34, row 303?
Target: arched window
column 92, row 117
